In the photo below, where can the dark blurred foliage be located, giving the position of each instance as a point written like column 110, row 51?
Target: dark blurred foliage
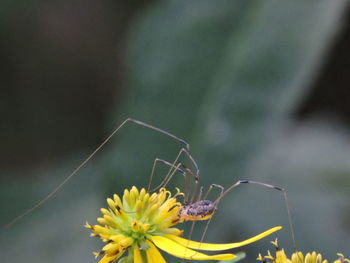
column 330, row 92
column 258, row 88
column 61, row 73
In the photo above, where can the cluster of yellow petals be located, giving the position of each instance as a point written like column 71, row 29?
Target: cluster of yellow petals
column 140, row 222
column 130, row 221
column 298, row 257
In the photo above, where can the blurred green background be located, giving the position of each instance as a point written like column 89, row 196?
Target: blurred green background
column 259, row 89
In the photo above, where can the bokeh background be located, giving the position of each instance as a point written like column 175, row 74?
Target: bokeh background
column 259, row 89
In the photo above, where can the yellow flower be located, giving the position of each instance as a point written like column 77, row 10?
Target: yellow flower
column 298, row 257
column 141, row 222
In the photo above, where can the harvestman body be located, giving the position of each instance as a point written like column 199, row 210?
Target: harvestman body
column 192, row 210
column 204, row 209
column 198, row 211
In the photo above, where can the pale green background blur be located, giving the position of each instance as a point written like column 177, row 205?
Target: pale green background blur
column 259, row 89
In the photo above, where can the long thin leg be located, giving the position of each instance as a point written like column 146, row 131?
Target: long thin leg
column 156, row 129
column 172, row 166
column 178, row 167
column 195, row 175
column 188, row 185
column 184, row 151
column 222, row 189
column 208, row 222
column 171, row 172
column 290, row 221
column 168, row 175
column 200, row 194
column 239, row 182
column 194, row 222
column 53, row 192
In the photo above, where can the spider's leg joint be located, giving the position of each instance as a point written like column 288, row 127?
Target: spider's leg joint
column 243, row 181
column 279, row 188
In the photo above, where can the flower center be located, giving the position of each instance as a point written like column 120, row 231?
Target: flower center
column 138, row 230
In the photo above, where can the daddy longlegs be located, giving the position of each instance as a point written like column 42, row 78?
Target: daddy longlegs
column 198, row 209
column 194, row 208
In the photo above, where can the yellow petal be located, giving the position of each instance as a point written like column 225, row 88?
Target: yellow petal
column 102, row 221
column 87, row 225
column 117, row 238
column 111, row 203
column 152, row 211
column 126, row 242
column 126, row 199
column 153, row 254
column 110, row 248
column 104, row 211
column 314, row 255
column 297, row 257
column 134, row 193
column 142, row 193
column 281, row 257
column 111, row 221
column 107, row 259
column 135, row 226
column 137, row 255
column 180, row 251
column 308, row 258
column 145, row 201
column 138, row 206
column 173, row 231
column 153, row 197
column 145, row 227
column 216, row 247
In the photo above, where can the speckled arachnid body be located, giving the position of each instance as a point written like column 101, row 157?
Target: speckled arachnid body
column 201, row 210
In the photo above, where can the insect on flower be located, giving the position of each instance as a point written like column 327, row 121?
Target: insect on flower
column 297, row 257
column 146, row 226
column 140, row 222
column 144, row 219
